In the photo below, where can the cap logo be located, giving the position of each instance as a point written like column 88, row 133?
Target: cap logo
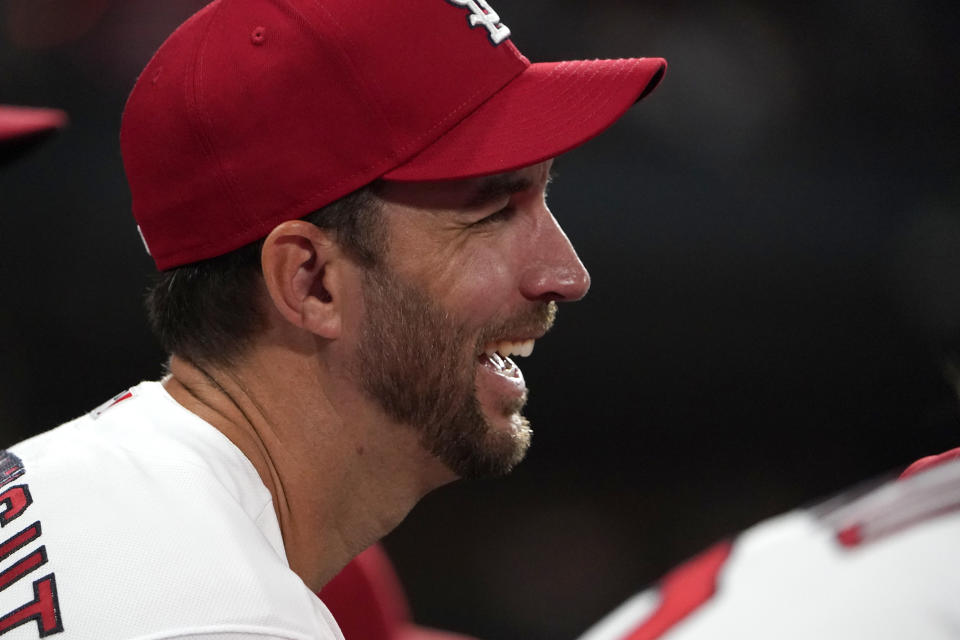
column 482, row 13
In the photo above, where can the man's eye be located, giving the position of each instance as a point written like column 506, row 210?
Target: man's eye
column 496, row 216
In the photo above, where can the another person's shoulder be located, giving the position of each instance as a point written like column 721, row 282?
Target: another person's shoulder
column 877, row 562
column 140, row 519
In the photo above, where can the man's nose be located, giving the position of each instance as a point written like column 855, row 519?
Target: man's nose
column 553, row 271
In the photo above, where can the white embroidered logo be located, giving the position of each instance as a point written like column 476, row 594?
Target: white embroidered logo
column 482, row 13
column 143, row 239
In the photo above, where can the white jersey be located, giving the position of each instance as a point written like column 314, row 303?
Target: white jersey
column 141, row 521
column 882, row 565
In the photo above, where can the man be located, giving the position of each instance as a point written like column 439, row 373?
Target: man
column 346, row 200
column 877, row 564
column 366, row 596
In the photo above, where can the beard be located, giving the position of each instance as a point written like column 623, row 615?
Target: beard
column 420, row 364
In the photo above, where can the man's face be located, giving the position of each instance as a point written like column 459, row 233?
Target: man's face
column 472, row 274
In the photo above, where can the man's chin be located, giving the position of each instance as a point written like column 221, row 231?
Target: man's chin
column 512, row 424
column 522, row 434
column 503, row 447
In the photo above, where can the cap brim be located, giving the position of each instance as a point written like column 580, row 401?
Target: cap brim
column 17, row 123
column 547, row 110
column 22, row 128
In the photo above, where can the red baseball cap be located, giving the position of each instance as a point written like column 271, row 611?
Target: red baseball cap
column 21, row 127
column 368, row 603
column 258, row 111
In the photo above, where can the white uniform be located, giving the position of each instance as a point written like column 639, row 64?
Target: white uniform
column 140, row 520
column 880, row 565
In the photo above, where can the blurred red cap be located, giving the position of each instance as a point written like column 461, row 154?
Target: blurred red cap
column 22, row 128
column 17, row 123
column 368, row 603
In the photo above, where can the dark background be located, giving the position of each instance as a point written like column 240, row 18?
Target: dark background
column 774, row 240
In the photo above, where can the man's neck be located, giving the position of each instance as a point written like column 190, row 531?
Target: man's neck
column 341, row 477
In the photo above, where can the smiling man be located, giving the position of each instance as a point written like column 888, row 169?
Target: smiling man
column 346, row 200
column 491, row 262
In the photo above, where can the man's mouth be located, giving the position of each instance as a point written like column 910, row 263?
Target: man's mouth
column 497, row 356
column 507, row 348
column 500, row 388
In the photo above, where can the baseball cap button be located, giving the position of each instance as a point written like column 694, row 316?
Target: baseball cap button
column 259, row 36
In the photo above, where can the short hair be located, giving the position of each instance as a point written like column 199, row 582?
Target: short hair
column 209, row 312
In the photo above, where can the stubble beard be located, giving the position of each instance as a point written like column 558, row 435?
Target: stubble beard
column 419, row 364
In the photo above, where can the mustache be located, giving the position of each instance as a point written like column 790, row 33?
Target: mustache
column 534, row 322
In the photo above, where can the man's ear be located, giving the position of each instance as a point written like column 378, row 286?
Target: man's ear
column 302, row 272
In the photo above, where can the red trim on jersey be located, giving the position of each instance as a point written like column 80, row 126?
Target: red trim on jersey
column 112, row 402
column 896, row 506
column 683, row 591
column 930, row 461
column 851, row 536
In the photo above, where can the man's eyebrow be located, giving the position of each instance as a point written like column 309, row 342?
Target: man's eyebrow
column 495, row 188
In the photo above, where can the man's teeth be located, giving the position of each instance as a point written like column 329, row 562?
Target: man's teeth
column 523, row 348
